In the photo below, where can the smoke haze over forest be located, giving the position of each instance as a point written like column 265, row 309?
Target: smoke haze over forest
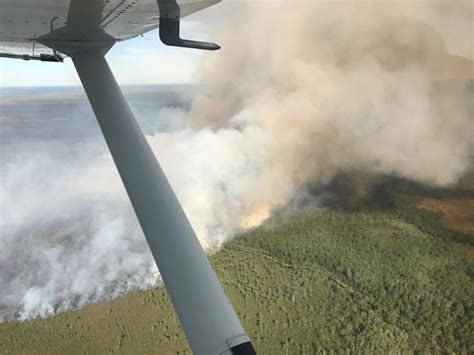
column 337, row 90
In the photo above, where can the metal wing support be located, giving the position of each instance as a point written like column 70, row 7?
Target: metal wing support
column 206, row 315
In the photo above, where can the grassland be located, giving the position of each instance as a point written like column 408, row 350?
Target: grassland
column 380, row 278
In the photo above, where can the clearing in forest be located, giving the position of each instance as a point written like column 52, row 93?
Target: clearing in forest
column 458, row 213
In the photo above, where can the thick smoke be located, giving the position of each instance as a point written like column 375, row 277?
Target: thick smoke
column 68, row 235
column 305, row 92
column 329, row 88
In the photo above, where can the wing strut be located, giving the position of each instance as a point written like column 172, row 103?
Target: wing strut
column 208, row 319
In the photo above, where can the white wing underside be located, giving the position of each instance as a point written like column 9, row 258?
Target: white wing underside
column 24, row 24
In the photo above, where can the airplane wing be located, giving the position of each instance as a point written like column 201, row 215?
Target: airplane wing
column 26, row 25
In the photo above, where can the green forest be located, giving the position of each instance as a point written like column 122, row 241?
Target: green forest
column 383, row 277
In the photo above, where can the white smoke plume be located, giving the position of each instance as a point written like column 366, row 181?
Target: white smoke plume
column 306, row 91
